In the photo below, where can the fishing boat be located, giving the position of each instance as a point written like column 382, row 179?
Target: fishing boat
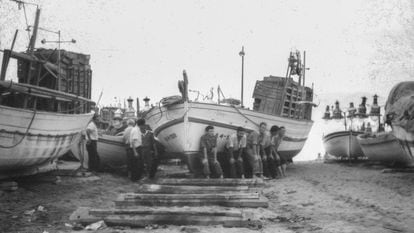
column 386, row 148
column 343, row 143
column 399, row 115
column 178, row 123
column 383, row 146
column 43, row 113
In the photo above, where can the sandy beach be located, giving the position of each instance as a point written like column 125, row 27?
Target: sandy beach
column 315, row 197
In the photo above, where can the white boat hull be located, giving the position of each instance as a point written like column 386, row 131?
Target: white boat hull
column 343, row 144
column 111, row 151
column 406, row 140
column 179, row 127
column 385, row 147
column 49, row 136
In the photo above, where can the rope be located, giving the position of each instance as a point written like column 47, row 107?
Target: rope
column 245, row 116
column 24, row 136
column 27, row 24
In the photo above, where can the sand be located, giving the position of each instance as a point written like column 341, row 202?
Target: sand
column 315, row 197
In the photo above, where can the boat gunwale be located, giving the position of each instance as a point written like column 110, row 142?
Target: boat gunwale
column 286, row 119
column 45, row 112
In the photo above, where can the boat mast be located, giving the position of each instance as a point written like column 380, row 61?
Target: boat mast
column 241, row 53
column 32, row 42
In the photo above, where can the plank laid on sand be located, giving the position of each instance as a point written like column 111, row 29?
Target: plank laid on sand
column 395, row 170
column 8, row 185
column 145, row 210
column 200, row 196
column 188, row 189
column 212, row 182
column 250, row 203
column 174, row 217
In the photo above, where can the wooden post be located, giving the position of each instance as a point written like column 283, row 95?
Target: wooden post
column 6, row 58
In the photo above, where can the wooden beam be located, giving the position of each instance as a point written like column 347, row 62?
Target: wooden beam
column 212, row 182
column 36, row 90
column 83, row 216
column 240, row 203
column 201, row 196
column 187, row 189
column 395, row 170
column 183, row 211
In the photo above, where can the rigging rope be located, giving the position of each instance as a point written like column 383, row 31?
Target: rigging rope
column 27, row 24
column 24, row 136
column 245, row 116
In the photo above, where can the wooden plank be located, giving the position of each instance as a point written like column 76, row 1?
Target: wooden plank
column 187, row 189
column 83, row 216
column 8, row 186
column 212, row 182
column 184, row 211
column 240, row 203
column 395, row 170
column 192, row 196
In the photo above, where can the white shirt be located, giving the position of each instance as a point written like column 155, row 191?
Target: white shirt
column 93, row 131
column 127, row 135
column 135, row 137
column 234, row 142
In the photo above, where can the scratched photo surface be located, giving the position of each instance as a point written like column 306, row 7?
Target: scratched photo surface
column 139, row 48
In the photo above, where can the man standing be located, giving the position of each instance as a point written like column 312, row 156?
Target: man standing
column 91, row 144
column 135, row 140
column 264, row 150
column 149, row 150
column 129, row 152
column 208, row 146
column 252, row 154
column 236, row 144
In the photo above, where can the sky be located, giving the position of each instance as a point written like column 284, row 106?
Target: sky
column 139, row 48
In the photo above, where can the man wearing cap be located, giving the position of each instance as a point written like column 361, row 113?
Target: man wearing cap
column 91, row 144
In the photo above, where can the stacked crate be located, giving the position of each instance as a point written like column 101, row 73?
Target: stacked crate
column 75, row 76
column 277, row 96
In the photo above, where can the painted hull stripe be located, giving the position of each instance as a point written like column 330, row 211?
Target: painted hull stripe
column 38, row 135
column 112, row 142
column 213, row 123
column 339, row 134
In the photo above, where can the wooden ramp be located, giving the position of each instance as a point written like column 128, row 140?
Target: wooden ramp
column 226, row 202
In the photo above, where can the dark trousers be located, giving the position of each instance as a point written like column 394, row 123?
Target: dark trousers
column 148, row 163
column 235, row 166
column 132, row 165
column 93, row 157
column 266, row 157
column 273, row 164
column 210, row 167
column 254, row 164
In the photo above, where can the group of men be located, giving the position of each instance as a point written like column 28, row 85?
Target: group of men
column 141, row 148
column 246, row 154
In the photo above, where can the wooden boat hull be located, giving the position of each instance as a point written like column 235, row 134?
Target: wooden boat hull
column 49, row 136
column 112, row 152
column 385, row 147
column 179, row 126
column 342, row 144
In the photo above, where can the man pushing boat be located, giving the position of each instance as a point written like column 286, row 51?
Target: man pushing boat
column 208, row 146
